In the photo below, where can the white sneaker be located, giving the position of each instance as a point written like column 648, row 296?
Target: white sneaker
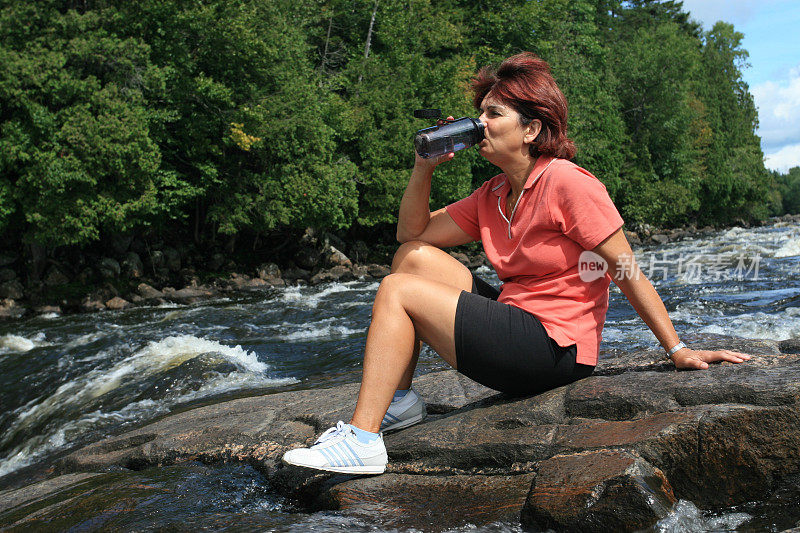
column 405, row 412
column 339, row 450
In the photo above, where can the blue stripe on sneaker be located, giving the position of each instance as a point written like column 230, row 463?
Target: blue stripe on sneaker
column 333, row 460
column 393, row 418
column 335, row 449
column 355, row 455
column 326, row 456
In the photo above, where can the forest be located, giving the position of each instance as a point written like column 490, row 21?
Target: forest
column 219, row 123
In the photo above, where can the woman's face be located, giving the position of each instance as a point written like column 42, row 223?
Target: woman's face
column 506, row 139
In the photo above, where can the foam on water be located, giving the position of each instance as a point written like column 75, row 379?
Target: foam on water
column 311, row 297
column 790, row 248
column 152, row 360
column 323, row 329
column 685, row 517
column 20, row 344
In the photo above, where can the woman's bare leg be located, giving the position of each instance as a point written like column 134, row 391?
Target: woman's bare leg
column 432, row 263
column 412, row 304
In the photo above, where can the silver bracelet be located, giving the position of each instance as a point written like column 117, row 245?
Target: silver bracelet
column 674, row 349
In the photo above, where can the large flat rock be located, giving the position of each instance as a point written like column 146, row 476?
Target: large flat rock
column 612, row 451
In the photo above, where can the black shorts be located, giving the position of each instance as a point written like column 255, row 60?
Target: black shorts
column 508, row 349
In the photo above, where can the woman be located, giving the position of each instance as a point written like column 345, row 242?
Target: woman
column 536, row 220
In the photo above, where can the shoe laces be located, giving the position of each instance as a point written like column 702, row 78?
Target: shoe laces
column 339, row 429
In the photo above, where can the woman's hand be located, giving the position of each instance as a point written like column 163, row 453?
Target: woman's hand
column 430, row 164
column 699, row 359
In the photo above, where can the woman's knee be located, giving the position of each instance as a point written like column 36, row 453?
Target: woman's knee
column 391, row 287
column 411, row 256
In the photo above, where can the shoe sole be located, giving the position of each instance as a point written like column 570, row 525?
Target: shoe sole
column 344, row 469
column 405, row 423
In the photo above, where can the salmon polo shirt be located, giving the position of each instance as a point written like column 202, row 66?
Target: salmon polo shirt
column 562, row 211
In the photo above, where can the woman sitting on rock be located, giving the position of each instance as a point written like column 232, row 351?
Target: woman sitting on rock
column 550, row 231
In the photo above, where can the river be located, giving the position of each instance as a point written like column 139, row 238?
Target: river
column 71, row 380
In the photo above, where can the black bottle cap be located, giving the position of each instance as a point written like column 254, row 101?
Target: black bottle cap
column 427, row 113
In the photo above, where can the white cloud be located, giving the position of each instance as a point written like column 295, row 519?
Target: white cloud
column 778, row 105
column 785, row 158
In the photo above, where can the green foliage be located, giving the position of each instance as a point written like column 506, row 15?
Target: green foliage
column 262, row 115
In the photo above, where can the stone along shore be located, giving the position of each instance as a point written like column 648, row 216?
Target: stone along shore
column 612, row 452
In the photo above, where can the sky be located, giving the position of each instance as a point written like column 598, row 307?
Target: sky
column 771, row 31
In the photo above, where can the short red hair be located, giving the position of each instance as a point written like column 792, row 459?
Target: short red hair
column 524, row 82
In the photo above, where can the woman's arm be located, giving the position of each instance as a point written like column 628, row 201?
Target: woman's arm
column 623, row 269
column 415, row 220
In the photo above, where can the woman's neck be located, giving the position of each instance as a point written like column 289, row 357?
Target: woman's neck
column 518, row 172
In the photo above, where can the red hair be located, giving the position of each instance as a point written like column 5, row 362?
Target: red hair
column 524, row 83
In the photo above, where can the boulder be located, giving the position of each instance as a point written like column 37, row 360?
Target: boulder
column 8, row 258
column 216, row 261
column 378, row 271
column 336, row 258
column 188, row 295
column 109, row 268
column 337, row 273
column 7, row 274
column 610, row 452
column 659, row 238
column 461, row 258
column 10, row 310
column 55, row 277
column 147, row 292
column 172, row 259
column 132, row 265
column 116, row 303
column 12, row 289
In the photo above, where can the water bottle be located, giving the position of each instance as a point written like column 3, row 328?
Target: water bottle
column 451, row 136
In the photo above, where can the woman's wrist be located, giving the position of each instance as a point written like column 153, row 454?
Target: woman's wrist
column 675, row 349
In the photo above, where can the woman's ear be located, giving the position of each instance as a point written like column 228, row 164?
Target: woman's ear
column 533, row 130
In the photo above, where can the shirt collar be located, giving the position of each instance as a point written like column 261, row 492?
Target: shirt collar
column 541, row 164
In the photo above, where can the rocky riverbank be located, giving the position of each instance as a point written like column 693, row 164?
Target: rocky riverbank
column 133, row 272
column 611, row 452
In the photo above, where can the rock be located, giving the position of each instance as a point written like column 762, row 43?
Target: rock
column 132, row 265
column 6, row 274
column 157, row 259
column 430, row 503
column 116, row 303
column 109, row 268
column 47, row 309
column 268, row 271
column 147, row 292
column 12, row 289
column 8, row 258
column 85, row 276
column 307, row 258
column 659, row 238
column 461, row 258
column 216, row 261
column 13, row 498
column 121, row 243
column 601, row 490
column 378, row 271
column 188, row 295
column 55, row 277
column 91, row 303
column 610, row 452
column 633, row 237
column 336, row 258
column 337, row 273
column 296, row 274
column 477, row 260
column 172, row 259
column 10, row 310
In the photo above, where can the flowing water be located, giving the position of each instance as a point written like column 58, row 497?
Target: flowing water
column 71, row 380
